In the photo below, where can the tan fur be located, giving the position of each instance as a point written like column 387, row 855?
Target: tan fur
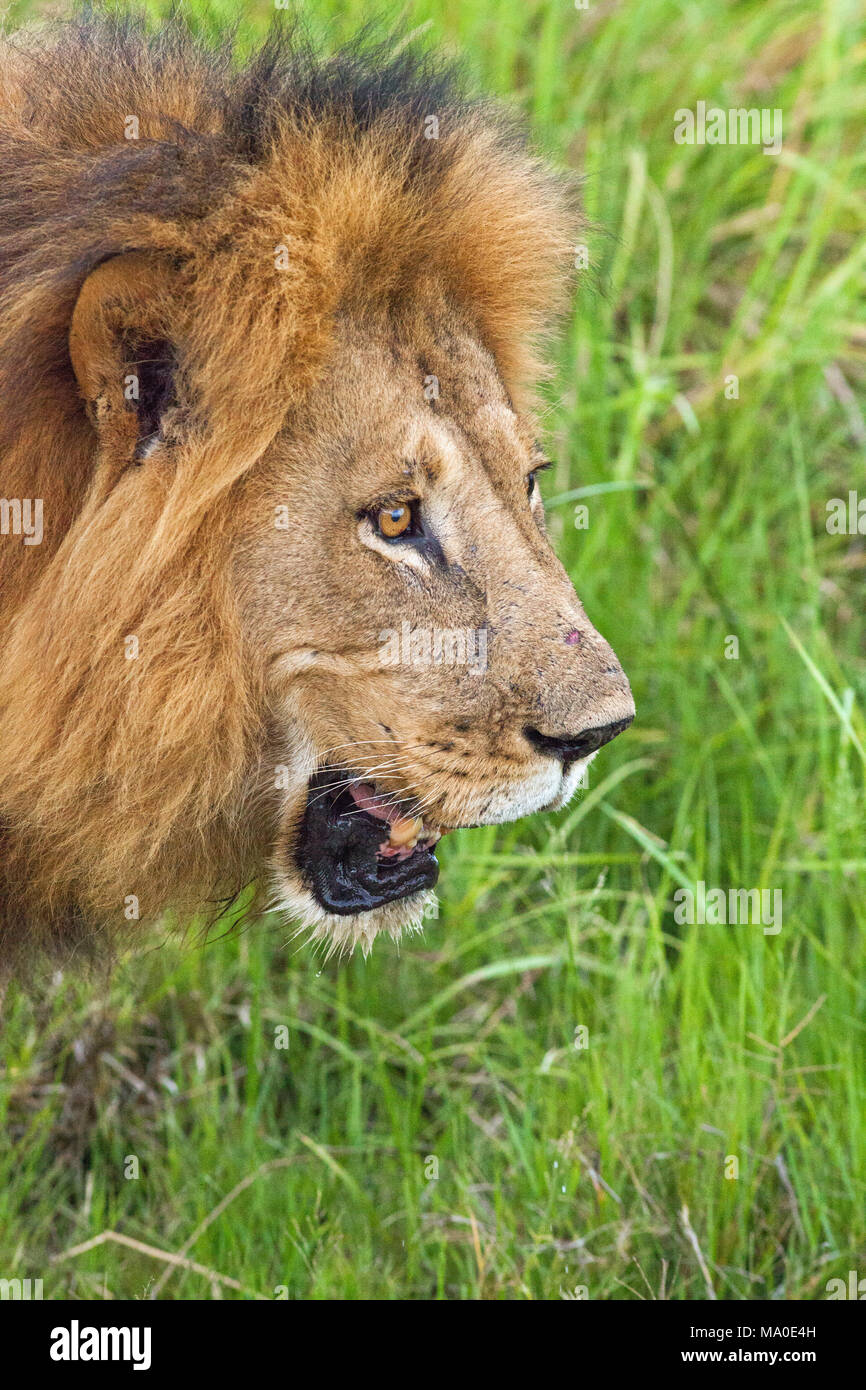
column 298, row 387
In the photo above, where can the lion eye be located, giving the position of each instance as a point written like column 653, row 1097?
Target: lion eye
column 532, row 478
column 394, row 521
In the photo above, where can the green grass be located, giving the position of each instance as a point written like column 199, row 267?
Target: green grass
column 559, row 1167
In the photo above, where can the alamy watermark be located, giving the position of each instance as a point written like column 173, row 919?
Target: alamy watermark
column 19, row 1290
column 741, row 907
column 434, row 646
column 847, row 517
column 853, row 1288
column 711, row 125
column 22, row 516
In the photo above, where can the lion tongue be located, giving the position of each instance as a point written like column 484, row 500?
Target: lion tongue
column 404, row 830
column 365, row 798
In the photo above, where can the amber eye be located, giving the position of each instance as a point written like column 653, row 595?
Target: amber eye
column 394, row 521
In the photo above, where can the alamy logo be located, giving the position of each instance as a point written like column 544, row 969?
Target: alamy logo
column 738, row 907
column 22, row 516
column 711, row 125
column 434, row 646
column 77, row 1343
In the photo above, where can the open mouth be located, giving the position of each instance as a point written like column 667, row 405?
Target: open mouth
column 358, row 848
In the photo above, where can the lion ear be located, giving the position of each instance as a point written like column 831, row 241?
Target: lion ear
column 121, row 343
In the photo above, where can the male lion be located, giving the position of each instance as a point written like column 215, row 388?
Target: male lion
column 277, row 600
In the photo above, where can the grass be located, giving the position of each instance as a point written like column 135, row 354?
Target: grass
column 432, row 1130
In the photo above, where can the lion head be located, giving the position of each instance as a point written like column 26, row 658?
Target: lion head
column 267, row 359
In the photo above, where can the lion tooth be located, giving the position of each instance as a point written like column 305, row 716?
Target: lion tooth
column 405, row 832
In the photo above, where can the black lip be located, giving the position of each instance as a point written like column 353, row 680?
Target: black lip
column 336, row 852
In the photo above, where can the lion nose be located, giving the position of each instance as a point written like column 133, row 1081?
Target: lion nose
column 569, row 747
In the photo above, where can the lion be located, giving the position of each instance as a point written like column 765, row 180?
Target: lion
column 278, row 605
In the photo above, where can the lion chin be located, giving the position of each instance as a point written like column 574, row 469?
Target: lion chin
column 339, row 935
column 363, row 865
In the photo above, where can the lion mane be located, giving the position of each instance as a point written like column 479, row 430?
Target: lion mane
column 139, row 780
